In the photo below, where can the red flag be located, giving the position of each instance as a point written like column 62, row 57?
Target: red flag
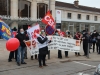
column 48, row 20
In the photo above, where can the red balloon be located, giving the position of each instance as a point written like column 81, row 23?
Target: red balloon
column 12, row 44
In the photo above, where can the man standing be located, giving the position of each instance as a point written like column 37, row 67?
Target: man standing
column 98, row 40
column 85, row 43
column 21, row 50
column 94, row 40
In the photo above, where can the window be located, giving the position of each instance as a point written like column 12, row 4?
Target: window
column 87, row 17
column 95, row 18
column 69, row 15
column 79, row 16
column 5, row 7
column 42, row 9
column 24, row 8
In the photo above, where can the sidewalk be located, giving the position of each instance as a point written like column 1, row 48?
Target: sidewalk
column 56, row 66
column 5, row 64
column 53, row 54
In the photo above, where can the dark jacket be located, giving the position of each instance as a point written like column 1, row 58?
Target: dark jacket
column 90, row 39
column 98, row 39
column 94, row 35
column 22, row 37
column 43, row 50
column 85, row 38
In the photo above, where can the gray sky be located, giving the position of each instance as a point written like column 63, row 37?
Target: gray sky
column 90, row 3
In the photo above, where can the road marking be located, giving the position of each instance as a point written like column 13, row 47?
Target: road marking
column 84, row 64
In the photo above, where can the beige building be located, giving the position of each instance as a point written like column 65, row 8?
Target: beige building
column 74, row 17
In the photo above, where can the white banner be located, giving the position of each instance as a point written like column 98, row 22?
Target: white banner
column 32, row 47
column 33, row 31
column 65, row 44
column 32, row 43
column 58, row 16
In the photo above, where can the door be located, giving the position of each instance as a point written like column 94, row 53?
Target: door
column 82, row 27
column 71, row 29
column 92, row 28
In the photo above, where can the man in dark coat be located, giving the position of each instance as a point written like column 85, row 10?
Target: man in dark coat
column 85, row 42
column 21, row 50
column 94, row 40
column 98, row 40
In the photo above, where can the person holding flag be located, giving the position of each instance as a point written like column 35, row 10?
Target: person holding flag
column 43, row 48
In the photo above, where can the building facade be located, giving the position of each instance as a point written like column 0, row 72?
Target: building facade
column 77, row 18
column 74, row 17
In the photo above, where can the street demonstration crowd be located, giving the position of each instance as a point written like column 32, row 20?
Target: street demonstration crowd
column 89, row 40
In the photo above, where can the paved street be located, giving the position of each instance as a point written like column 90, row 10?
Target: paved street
column 66, row 66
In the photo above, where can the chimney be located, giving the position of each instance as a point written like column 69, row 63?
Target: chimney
column 76, row 2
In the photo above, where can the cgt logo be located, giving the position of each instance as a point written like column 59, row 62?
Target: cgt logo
column 34, row 36
column 49, row 20
column 4, row 29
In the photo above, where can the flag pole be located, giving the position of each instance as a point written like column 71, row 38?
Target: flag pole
column 49, row 4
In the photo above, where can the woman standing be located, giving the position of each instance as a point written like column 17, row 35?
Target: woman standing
column 78, row 36
column 43, row 48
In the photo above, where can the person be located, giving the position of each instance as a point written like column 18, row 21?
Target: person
column 59, row 51
column 77, row 36
column 68, row 35
column 21, row 50
column 90, row 41
column 94, row 40
column 35, row 57
column 13, row 54
column 43, row 48
column 98, row 40
column 27, row 38
column 85, row 43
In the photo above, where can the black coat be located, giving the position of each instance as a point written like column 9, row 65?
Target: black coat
column 86, row 38
column 22, row 37
column 44, row 50
column 98, row 39
column 94, row 35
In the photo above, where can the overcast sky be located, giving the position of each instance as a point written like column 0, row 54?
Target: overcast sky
column 91, row 3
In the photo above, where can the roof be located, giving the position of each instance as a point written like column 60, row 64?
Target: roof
column 80, row 7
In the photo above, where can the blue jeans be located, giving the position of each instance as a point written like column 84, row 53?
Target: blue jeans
column 21, row 51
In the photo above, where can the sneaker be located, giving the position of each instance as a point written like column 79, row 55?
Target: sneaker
column 23, row 63
column 18, row 64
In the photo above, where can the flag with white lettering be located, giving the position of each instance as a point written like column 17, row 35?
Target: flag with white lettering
column 48, row 20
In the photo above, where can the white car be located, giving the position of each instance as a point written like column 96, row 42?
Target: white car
column 97, row 72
